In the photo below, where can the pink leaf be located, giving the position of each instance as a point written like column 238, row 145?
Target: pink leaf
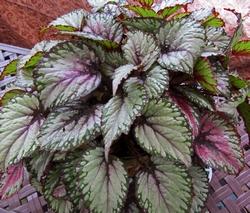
column 11, row 181
column 218, row 144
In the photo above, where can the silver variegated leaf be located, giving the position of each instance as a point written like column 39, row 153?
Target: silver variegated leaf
column 165, row 131
column 72, row 20
column 166, row 188
column 182, row 42
column 156, row 82
column 120, row 74
column 26, row 65
column 55, row 193
column 39, row 162
column 105, row 26
column 160, row 5
column 200, row 188
column 103, row 184
column 120, row 112
column 67, row 73
column 141, row 49
column 69, row 127
column 216, row 42
column 20, row 121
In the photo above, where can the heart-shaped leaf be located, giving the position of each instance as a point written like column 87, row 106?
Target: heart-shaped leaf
column 70, row 127
column 68, row 72
column 165, row 131
column 218, row 144
column 120, row 112
column 20, row 121
column 159, row 185
column 141, row 49
column 181, row 42
column 103, row 184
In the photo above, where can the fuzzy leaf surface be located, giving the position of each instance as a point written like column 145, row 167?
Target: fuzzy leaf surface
column 165, row 131
column 103, row 184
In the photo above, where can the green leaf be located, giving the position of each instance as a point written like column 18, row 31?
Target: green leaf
column 237, row 82
column 181, row 42
column 146, row 3
column 39, row 163
column 164, row 187
column 168, row 11
column 141, row 49
column 149, row 25
column 200, row 188
column 69, row 127
column 67, row 73
column 120, row 74
column 165, row 131
column 156, row 82
column 204, row 74
column 33, row 61
column 55, row 193
column 142, row 11
column 9, row 94
column 103, row 184
column 216, row 43
column 213, row 21
column 242, row 48
column 198, row 98
column 20, row 121
column 70, row 22
column 9, row 69
column 244, row 111
column 120, row 112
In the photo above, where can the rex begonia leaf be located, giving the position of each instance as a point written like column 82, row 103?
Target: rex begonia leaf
column 69, row 127
column 39, row 163
column 190, row 113
column 149, row 25
column 70, row 22
column 156, row 82
column 55, row 192
column 159, row 5
column 9, row 69
column 200, row 188
column 120, row 74
column 165, row 131
column 197, row 98
column 11, row 181
column 120, row 112
column 181, row 43
column 216, row 42
column 27, row 64
column 142, row 11
column 204, row 74
column 242, row 48
column 165, row 187
column 168, row 11
column 20, row 122
column 218, row 144
column 68, row 72
column 104, row 26
column 103, row 184
column 141, row 49
column 9, row 94
column 146, row 3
